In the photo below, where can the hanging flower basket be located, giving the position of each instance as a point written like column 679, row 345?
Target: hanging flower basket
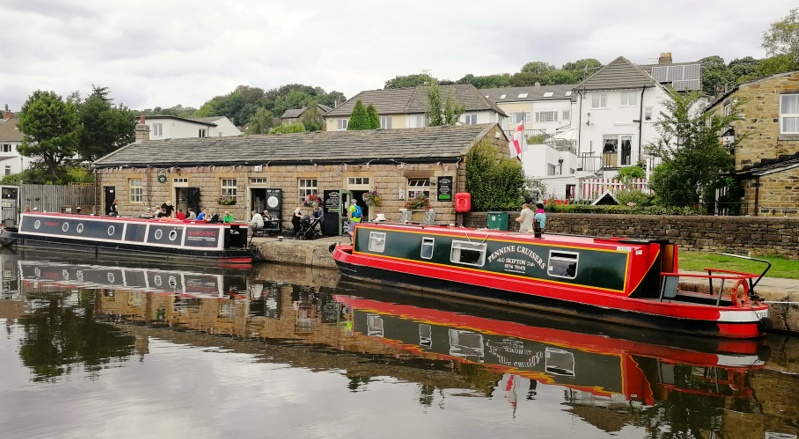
column 372, row 198
column 419, row 202
column 311, row 199
column 226, row 200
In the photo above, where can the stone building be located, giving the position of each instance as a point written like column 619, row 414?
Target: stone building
column 767, row 156
column 280, row 172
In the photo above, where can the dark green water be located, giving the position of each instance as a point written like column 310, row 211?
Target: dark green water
column 96, row 350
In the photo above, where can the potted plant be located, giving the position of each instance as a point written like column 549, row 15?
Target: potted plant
column 227, row 200
column 311, row 199
column 419, row 202
column 372, row 198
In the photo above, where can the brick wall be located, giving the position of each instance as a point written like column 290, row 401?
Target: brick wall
column 755, row 236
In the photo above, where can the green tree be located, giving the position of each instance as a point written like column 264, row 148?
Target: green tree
column 693, row 161
column 261, row 122
column 106, row 127
column 359, row 119
column 493, row 180
column 442, row 113
column 312, row 118
column 538, row 68
column 374, row 118
column 51, row 130
column 409, row 81
column 490, row 81
column 582, row 68
column 782, row 37
column 715, row 73
column 288, row 128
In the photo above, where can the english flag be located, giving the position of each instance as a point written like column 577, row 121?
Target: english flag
column 517, row 142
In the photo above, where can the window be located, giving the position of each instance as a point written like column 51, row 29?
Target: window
column 648, row 113
column 550, row 169
column 202, row 132
column 599, row 101
column 566, row 115
column 6, row 147
column 136, row 190
column 522, row 95
column 568, row 93
column 421, row 121
column 516, row 118
column 562, row 264
column 626, row 150
column 789, row 114
column 470, row 119
column 546, row 116
column 418, row 186
column 342, row 123
column 468, row 253
column 629, row 98
column 385, row 122
column 357, row 181
column 7, row 170
column 377, row 242
column 307, row 187
column 258, row 180
column 548, row 94
column 158, row 130
column 503, row 96
column 229, row 187
column 427, row 247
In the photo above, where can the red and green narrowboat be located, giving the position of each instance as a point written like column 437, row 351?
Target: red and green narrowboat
column 626, row 281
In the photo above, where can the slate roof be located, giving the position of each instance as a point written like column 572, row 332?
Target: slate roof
column 430, row 144
column 533, row 93
column 209, row 121
column 618, row 75
column 771, row 166
column 9, row 131
column 414, row 100
column 293, row 113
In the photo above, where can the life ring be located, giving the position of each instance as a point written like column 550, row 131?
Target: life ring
column 744, row 290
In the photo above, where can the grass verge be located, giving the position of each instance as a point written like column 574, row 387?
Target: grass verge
column 698, row 261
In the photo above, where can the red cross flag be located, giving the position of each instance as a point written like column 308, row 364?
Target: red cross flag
column 517, row 142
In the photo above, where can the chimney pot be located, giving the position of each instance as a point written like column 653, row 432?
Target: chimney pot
column 665, row 58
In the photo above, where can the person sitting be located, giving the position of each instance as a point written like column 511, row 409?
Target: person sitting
column 213, row 218
column 159, row 213
column 148, row 213
column 192, row 215
column 256, row 223
column 228, row 218
column 201, row 216
column 180, row 215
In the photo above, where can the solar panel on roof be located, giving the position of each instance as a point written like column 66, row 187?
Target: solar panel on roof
column 687, row 84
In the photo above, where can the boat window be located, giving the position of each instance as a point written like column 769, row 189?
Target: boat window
column 427, row 247
column 559, row 362
column 377, row 242
column 374, row 325
column 469, row 253
column 563, row 264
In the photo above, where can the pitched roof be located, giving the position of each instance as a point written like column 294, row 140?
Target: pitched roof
column 619, row 74
column 771, row 166
column 293, row 113
column 529, row 93
column 209, row 121
column 405, row 145
column 9, row 131
column 414, row 100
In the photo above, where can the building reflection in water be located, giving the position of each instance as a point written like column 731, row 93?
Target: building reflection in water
column 611, row 377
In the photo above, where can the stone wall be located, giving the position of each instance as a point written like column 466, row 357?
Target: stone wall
column 774, row 194
column 755, row 236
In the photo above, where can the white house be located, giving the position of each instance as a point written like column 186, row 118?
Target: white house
column 173, row 127
column 407, row 107
column 544, row 109
column 11, row 162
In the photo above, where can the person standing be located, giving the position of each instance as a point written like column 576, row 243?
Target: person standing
column 295, row 220
column 318, row 213
column 540, row 220
column 167, row 208
column 354, row 214
column 526, row 218
column 113, row 210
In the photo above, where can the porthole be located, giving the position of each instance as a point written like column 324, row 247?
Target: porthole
column 173, row 235
column 79, row 228
column 79, row 275
column 159, row 234
column 37, row 224
column 173, row 281
column 157, row 281
column 111, row 230
column 64, row 275
column 64, row 227
column 111, row 278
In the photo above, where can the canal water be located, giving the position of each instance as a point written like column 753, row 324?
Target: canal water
column 93, row 349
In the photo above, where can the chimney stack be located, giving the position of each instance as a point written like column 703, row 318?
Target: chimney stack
column 665, row 58
column 7, row 115
column 142, row 130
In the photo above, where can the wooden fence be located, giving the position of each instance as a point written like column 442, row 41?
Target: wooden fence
column 594, row 188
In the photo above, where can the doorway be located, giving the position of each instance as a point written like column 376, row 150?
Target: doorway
column 109, row 195
column 187, row 197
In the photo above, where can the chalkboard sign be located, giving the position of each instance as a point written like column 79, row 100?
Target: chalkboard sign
column 444, row 188
column 332, row 201
column 274, row 203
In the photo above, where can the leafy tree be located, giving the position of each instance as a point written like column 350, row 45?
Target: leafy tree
column 693, row 161
column 288, row 128
column 538, row 68
column 714, row 73
column 446, row 113
column 490, row 81
column 261, row 122
column 776, row 64
column 312, row 117
column 782, row 37
column 359, row 119
column 51, row 130
column 177, row 110
column 630, row 172
column 561, row 77
column 525, row 79
column 374, row 118
column 742, row 69
column 106, row 127
column 291, row 100
column 409, row 81
column 493, row 180
column 582, row 68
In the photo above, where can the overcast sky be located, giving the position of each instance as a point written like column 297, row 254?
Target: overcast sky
column 168, row 52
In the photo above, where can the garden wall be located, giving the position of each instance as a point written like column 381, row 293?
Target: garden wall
column 742, row 235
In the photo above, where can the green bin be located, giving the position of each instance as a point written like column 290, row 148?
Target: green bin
column 497, row 220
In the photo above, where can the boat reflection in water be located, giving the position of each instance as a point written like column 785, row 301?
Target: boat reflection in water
column 637, row 366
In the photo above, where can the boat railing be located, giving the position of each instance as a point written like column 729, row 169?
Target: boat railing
column 746, row 281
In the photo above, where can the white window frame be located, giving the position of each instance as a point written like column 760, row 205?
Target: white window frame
column 548, row 94
column 385, row 122
column 629, row 98
column 470, row 119
column 648, row 114
column 258, row 180
column 306, row 186
column 459, row 247
column 421, row 121
column 416, row 185
column 342, row 124
column 599, row 100
column 202, row 132
column 7, row 147
column 358, row 182
column 229, row 187
column 136, row 190
column 158, row 129
column 558, row 257
column 784, row 114
column 377, row 242
column 7, row 170
column 428, row 245
column 567, row 114
column 546, row 116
